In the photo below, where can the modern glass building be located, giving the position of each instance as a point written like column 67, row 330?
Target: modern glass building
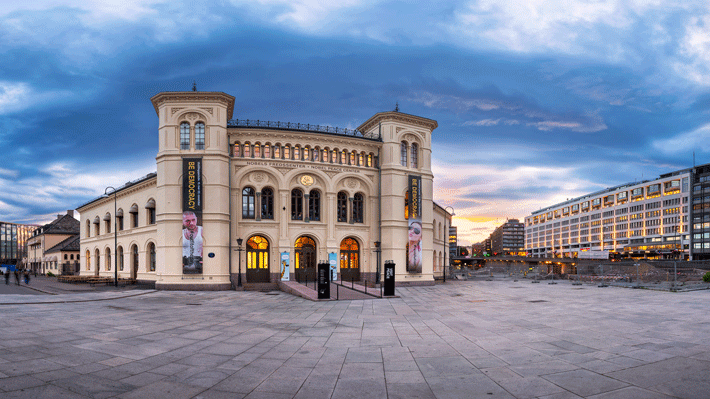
column 13, row 241
column 647, row 219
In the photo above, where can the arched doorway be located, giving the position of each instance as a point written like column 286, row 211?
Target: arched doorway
column 349, row 260
column 257, row 260
column 305, row 249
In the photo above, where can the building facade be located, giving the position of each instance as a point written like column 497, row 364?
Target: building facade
column 43, row 248
column 13, row 242
column 648, row 219
column 508, row 239
column 264, row 201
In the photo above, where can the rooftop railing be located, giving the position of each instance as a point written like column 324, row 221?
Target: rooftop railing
column 251, row 123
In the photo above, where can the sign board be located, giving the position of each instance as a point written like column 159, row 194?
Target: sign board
column 285, row 273
column 389, row 278
column 414, row 245
column 333, row 266
column 324, row 280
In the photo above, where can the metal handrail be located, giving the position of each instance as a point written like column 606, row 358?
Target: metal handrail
column 302, row 127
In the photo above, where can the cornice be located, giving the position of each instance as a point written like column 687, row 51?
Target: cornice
column 119, row 194
column 395, row 116
column 194, row 96
column 299, row 137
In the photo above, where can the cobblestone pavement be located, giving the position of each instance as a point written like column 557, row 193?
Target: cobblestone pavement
column 475, row 339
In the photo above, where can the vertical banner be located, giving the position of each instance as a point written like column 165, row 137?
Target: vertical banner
column 414, row 246
column 192, row 238
column 285, row 273
column 332, row 259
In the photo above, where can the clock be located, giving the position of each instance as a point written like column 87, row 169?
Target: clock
column 307, row 180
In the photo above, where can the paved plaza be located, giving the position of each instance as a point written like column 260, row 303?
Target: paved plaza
column 462, row 339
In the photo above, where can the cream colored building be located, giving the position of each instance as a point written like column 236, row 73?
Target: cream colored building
column 284, row 191
column 48, row 245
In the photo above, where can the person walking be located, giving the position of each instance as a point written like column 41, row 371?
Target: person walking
column 27, row 277
column 7, row 277
column 17, row 277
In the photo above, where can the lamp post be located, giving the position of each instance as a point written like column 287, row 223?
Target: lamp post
column 239, row 249
column 447, row 234
column 115, row 237
column 377, row 252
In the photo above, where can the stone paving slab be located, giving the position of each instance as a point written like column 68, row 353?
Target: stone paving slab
column 462, row 339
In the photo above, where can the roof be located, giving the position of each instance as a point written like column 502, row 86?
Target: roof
column 70, row 244
column 123, row 187
column 66, row 224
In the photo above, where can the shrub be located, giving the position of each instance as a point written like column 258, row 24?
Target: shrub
column 50, row 274
column 706, row 277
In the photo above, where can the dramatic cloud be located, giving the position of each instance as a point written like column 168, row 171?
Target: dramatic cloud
column 693, row 141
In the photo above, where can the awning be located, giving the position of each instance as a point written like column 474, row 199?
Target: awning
column 97, row 220
column 150, row 204
column 134, row 208
column 119, row 213
column 107, row 217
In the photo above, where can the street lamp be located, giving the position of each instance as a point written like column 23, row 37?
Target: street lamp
column 447, row 234
column 115, row 237
column 377, row 252
column 239, row 249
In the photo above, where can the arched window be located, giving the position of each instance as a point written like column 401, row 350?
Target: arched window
column 296, row 204
column 120, row 258
column 184, row 136
column 150, row 209
column 151, row 254
column 314, row 205
column 344, row 157
column 287, row 152
column 369, row 160
column 352, row 158
column 134, row 215
column 237, row 150
column 349, row 259
column 97, row 224
column 277, row 151
column 297, row 153
column 97, row 261
column 361, row 159
column 358, row 208
column 406, row 205
column 88, row 259
column 199, row 136
column 257, row 150
column 267, row 203
column 119, row 219
column 342, row 207
column 247, row 150
column 306, row 154
column 88, row 228
column 108, row 259
column 107, row 220
column 403, row 153
column 267, row 151
column 334, row 156
column 316, row 154
column 134, row 255
column 324, row 157
column 415, row 155
column 248, row 203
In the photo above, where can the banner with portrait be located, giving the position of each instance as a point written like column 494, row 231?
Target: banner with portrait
column 414, row 245
column 192, row 235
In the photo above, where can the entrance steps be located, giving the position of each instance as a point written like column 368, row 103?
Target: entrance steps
column 298, row 289
column 263, row 287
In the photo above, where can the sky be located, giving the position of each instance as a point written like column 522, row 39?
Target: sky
column 537, row 101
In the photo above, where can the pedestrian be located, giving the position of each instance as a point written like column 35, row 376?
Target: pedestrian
column 7, row 277
column 17, row 277
column 27, row 277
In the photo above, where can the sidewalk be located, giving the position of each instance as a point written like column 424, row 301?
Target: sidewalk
column 57, row 292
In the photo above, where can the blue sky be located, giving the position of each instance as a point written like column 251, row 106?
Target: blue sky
column 537, row 101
